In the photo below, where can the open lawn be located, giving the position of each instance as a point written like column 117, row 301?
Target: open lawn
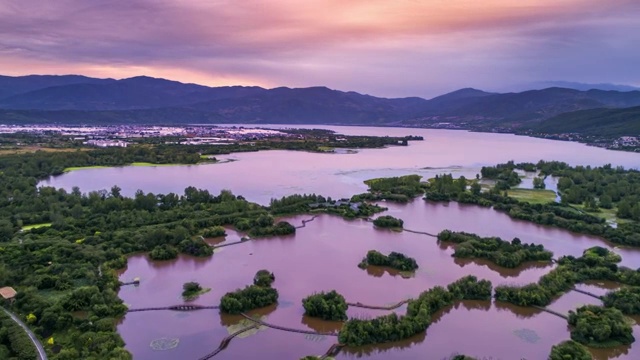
column 35, row 226
column 533, row 196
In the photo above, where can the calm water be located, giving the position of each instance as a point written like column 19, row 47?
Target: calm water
column 263, row 175
column 325, row 254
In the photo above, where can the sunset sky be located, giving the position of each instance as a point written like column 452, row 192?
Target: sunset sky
column 380, row 47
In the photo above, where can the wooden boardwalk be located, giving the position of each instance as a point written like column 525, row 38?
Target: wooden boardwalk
column 587, row 293
column 183, row 307
column 333, row 351
column 283, row 328
column 304, row 222
column 225, row 342
column 391, row 307
column 551, row 312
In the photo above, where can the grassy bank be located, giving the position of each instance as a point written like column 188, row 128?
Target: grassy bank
column 533, row 196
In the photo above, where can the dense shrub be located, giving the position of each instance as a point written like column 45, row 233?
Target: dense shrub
column 387, row 221
column 600, row 327
column 394, row 260
column 327, row 306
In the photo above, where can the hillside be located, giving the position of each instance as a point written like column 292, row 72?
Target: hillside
column 601, row 122
column 82, row 100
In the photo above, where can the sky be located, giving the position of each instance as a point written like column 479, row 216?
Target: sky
column 391, row 48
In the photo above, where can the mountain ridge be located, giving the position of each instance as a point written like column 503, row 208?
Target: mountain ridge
column 143, row 99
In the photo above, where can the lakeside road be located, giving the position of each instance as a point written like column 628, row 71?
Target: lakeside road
column 41, row 353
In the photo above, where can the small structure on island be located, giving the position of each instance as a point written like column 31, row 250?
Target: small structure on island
column 8, row 294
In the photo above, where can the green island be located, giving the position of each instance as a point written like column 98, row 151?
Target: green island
column 251, row 297
column 503, row 253
column 389, row 222
column 399, row 189
column 191, row 290
column 600, row 327
column 626, row 299
column 569, row 350
column 392, row 327
column 326, row 306
column 394, row 260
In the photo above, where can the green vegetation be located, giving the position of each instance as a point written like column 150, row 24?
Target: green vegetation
column 503, row 253
column 627, row 300
column 163, row 252
column 192, row 290
column 387, row 221
column 600, row 327
column 445, row 188
column 264, row 278
column 394, row 260
column 569, row 350
column 251, row 297
column 399, row 189
column 600, row 122
column 14, row 341
column 504, row 174
column 469, row 288
column 327, row 306
column 216, row 231
column 75, row 168
column 195, row 247
column 596, row 263
column 620, row 185
column 387, row 328
column 35, row 226
column 296, row 204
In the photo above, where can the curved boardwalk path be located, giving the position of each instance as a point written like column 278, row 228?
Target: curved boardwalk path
column 175, row 308
column 225, row 342
column 420, row 232
column 231, row 243
column 304, row 222
column 551, row 312
column 395, row 306
column 42, row 355
column 260, row 322
column 409, row 230
column 587, row 293
column 333, row 351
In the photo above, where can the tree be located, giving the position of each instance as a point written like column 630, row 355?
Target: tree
column 605, row 202
column 6, row 230
column 476, row 188
column 191, row 288
column 538, row 183
column 569, row 350
column 327, row 306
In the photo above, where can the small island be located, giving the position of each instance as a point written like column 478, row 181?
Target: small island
column 387, row 221
column 191, row 290
column 600, row 327
column 569, row 350
column 326, row 306
column 255, row 296
column 627, row 300
column 503, row 253
column 394, row 260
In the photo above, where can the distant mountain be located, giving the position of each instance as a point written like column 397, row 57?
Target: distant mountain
column 608, row 122
column 134, row 93
column 13, row 85
column 78, row 99
column 579, row 86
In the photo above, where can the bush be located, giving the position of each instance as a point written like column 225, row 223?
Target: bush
column 394, row 260
column 600, row 327
column 569, row 350
column 469, row 288
column 215, row 231
column 626, row 299
column 327, row 306
column 163, row 252
column 251, row 297
column 387, row 221
column 264, row 278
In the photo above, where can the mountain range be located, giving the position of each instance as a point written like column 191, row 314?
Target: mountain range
column 74, row 99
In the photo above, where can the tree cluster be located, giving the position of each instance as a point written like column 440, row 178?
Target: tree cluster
column 388, row 221
column 626, row 299
column 600, row 327
column 394, row 260
column 569, row 350
column 503, row 253
column 326, row 305
column 251, row 297
column 392, row 327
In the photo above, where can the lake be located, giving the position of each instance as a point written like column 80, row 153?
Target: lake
column 324, row 255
